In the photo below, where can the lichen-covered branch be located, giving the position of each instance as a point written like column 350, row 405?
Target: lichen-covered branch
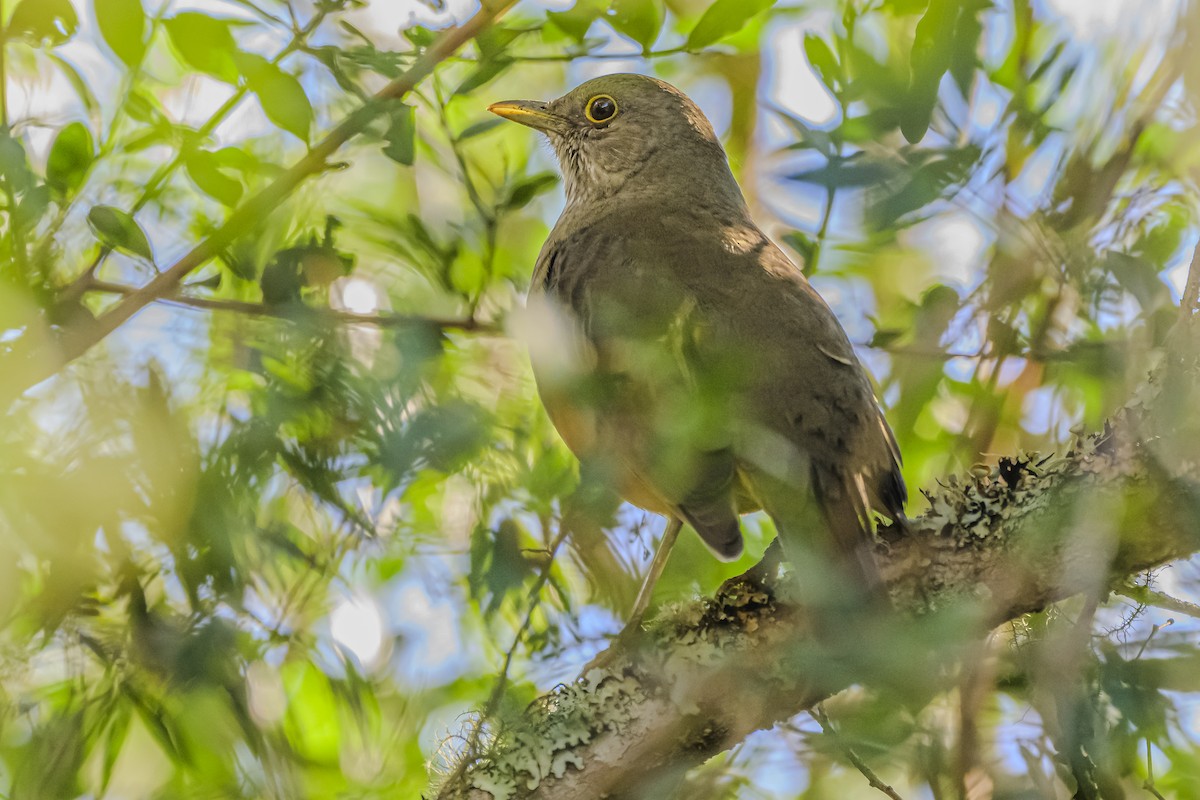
column 1032, row 531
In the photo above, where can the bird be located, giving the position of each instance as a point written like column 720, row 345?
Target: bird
column 683, row 357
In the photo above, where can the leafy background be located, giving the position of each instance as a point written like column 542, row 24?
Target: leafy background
column 285, row 530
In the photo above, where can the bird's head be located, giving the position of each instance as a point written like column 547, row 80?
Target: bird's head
column 625, row 133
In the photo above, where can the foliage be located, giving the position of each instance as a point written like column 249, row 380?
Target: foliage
column 281, row 530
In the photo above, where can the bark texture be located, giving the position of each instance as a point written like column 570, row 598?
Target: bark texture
column 1001, row 543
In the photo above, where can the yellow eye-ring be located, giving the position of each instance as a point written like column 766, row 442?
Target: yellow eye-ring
column 600, row 109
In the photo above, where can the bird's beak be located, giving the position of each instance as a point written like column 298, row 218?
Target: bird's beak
column 530, row 112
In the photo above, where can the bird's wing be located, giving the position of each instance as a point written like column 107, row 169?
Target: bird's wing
column 647, row 339
column 806, row 389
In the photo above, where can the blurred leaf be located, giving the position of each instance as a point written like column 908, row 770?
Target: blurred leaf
column 204, row 169
column 929, row 61
column 14, row 168
column 82, row 90
column 927, row 183
column 723, row 18
column 522, row 192
column 576, row 20
column 479, row 128
column 822, row 59
column 51, row 22
column 204, row 43
column 122, row 23
column 401, row 136
column 32, row 207
column 114, row 739
column 485, row 72
column 804, row 245
column 281, row 96
column 498, row 563
column 854, row 171
column 144, row 108
column 70, row 158
column 1140, row 278
column 809, row 137
column 118, row 230
column 640, row 20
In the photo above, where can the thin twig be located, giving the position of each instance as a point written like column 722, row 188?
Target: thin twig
column 298, row 313
column 1151, row 597
column 818, row 713
column 1148, row 785
column 75, row 341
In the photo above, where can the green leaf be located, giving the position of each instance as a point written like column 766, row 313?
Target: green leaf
column 144, row 107
column 524, row 190
column 203, row 168
column 927, row 183
column 640, row 20
column 118, row 729
column 43, row 21
column 577, row 20
column 809, row 138
column 479, row 128
column 14, row 166
column 856, row 170
column 204, row 43
column 932, row 46
column 282, row 97
column 822, row 60
column 82, row 90
column 70, row 158
column 483, row 73
column 32, row 207
column 118, row 230
column 802, row 243
column 122, row 24
column 401, row 136
column 723, row 18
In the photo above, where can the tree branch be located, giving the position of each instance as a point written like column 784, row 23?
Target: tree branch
column 43, row 357
column 989, row 549
column 295, row 313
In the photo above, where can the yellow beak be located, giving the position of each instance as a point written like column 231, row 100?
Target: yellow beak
column 529, row 112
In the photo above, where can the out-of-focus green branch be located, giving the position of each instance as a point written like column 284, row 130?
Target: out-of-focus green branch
column 45, row 358
column 165, row 170
column 294, row 313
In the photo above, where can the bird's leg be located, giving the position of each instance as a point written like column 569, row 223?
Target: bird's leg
column 674, row 525
column 634, row 623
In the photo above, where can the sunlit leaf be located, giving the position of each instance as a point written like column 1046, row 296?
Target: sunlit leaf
column 70, row 158
column 723, row 18
column 118, row 230
column 578, row 19
column 50, row 22
column 280, row 94
column 640, row 20
column 204, row 170
column 122, row 23
column 204, row 43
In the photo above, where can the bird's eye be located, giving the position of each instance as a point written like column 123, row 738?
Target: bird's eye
column 601, row 109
